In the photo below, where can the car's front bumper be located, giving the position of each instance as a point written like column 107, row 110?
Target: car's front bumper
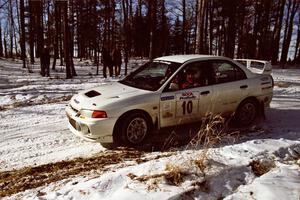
column 90, row 129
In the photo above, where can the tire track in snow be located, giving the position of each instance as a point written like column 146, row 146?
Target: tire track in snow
column 36, row 135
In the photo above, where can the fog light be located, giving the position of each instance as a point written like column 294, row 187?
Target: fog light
column 84, row 129
column 78, row 128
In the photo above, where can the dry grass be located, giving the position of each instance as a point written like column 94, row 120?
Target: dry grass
column 15, row 181
column 173, row 175
column 170, row 142
column 261, row 167
column 213, row 130
column 201, row 162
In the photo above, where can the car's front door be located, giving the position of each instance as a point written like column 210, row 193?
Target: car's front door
column 179, row 104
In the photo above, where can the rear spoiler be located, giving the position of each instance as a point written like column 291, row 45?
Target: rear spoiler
column 257, row 66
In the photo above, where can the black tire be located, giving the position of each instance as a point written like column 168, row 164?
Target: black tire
column 246, row 113
column 134, row 128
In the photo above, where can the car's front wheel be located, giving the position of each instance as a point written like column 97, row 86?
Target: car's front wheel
column 246, row 112
column 134, row 129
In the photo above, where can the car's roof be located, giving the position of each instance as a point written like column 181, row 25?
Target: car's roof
column 184, row 58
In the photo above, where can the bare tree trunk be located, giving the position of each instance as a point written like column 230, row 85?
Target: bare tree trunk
column 71, row 28
column 17, row 28
column 130, row 21
column 231, row 30
column 22, row 38
column 211, row 36
column 277, row 29
column 66, row 40
column 37, row 18
column 183, row 27
column 205, row 49
column 125, row 25
column 31, row 32
column 5, row 48
column 49, row 37
column 287, row 41
column 11, row 27
column 1, row 45
column 109, row 35
column 264, row 43
column 199, row 31
column 70, row 70
column 113, row 24
column 298, row 40
column 256, row 26
column 196, row 27
column 59, row 32
column 56, row 40
column 40, row 30
column 152, row 22
column 241, row 29
column 287, row 20
column 61, row 51
column 18, row 16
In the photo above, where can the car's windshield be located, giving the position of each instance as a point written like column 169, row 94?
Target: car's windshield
column 151, row 76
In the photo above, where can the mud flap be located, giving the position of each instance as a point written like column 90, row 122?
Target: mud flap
column 261, row 110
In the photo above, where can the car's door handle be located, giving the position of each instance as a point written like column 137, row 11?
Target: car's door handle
column 205, row 93
column 244, row 86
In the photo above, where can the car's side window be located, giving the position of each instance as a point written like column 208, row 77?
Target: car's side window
column 196, row 74
column 257, row 65
column 225, row 71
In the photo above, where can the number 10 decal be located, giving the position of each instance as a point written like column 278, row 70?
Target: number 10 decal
column 187, row 107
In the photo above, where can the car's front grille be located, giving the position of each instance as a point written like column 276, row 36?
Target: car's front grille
column 75, row 110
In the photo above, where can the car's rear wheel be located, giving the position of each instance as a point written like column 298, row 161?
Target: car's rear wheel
column 134, row 129
column 246, row 112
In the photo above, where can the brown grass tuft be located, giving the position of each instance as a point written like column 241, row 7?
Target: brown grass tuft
column 259, row 167
column 32, row 177
column 212, row 131
column 174, row 174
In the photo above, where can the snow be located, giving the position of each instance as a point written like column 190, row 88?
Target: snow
column 34, row 132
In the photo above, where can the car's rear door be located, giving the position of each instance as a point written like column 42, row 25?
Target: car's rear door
column 230, row 88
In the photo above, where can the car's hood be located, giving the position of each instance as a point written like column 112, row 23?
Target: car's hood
column 103, row 94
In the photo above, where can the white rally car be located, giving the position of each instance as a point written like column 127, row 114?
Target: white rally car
column 168, row 91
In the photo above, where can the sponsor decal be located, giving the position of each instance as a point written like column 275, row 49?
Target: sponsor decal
column 167, row 114
column 167, row 106
column 187, row 95
column 167, row 98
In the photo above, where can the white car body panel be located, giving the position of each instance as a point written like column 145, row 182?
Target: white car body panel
column 166, row 108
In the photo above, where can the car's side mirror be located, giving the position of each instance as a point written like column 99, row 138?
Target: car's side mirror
column 173, row 86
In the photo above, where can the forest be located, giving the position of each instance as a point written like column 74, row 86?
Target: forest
column 257, row 29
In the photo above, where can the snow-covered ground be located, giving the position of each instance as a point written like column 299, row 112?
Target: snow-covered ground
column 261, row 164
